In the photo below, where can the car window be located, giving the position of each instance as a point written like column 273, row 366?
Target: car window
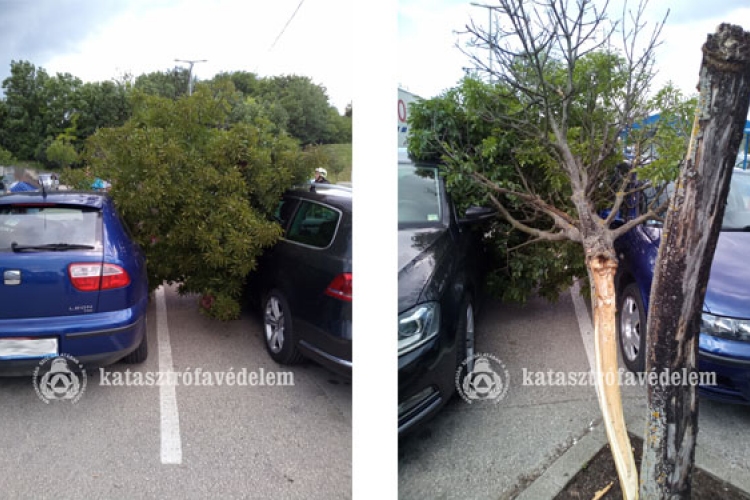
column 48, row 225
column 419, row 202
column 313, row 224
column 284, row 211
column 737, row 211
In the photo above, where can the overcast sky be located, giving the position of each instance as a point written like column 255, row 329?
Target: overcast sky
column 429, row 62
column 98, row 40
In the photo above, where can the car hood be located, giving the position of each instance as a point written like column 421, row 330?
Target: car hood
column 728, row 293
column 419, row 253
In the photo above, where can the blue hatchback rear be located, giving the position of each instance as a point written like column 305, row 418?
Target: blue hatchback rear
column 73, row 282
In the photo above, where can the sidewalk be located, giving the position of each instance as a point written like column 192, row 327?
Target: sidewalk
column 532, row 442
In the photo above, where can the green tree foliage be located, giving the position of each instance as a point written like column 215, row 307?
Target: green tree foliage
column 102, row 104
column 24, row 126
column 305, row 103
column 6, row 157
column 457, row 129
column 61, row 152
column 171, row 84
column 297, row 104
column 453, row 130
column 196, row 190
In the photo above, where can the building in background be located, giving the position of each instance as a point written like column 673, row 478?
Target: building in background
column 404, row 99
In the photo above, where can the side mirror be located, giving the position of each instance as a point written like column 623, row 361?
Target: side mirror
column 478, row 214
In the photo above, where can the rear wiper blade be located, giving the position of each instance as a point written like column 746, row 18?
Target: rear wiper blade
column 52, row 247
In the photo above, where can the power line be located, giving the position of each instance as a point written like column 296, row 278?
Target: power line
column 287, row 24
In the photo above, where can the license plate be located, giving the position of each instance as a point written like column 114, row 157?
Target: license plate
column 21, row 348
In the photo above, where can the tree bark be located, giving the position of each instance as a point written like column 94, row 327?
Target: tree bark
column 688, row 241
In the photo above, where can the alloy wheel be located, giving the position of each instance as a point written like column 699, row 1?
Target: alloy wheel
column 274, row 324
column 630, row 328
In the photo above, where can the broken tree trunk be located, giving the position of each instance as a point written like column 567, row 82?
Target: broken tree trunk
column 682, row 270
column 602, row 274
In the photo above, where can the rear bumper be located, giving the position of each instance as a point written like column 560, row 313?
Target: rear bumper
column 95, row 340
column 329, row 344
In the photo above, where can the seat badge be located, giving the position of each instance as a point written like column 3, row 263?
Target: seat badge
column 12, row 277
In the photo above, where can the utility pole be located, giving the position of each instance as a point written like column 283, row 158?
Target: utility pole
column 190, row 72
column 490, row 45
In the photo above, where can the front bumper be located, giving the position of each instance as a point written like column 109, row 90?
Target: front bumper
column 730, row 361
column 426, row 381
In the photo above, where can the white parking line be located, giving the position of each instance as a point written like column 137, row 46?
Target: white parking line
column 171, row 443
column 584, row 324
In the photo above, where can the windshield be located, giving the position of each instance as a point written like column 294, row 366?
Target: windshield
column 419, row 197
column 28, row 226
column 737, row 212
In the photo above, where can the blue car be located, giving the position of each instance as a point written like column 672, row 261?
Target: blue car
column 73, row 282
column 725, row 327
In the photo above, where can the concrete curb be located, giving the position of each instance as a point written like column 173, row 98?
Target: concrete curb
column 554, row 479
column 557, row 476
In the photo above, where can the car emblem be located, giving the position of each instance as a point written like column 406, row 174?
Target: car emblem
column 12, row 277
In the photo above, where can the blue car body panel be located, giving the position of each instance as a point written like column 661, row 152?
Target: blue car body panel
column 96, row 327
column 727, row 295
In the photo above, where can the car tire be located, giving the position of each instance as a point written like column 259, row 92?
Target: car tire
column 465, row 350
column 141, row 352
column 631, row 328
column 278, row 331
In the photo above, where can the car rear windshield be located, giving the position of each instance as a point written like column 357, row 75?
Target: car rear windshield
column 36, row 226
column 419, row 202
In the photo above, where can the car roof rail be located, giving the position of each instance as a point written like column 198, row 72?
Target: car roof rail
column 322, row 186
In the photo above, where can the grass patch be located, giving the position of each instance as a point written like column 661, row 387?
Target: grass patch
column 341, row 162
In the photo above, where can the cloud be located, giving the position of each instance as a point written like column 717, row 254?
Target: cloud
column 429, row 58
column 99, row 40
column 35, row 31
column 429, row 61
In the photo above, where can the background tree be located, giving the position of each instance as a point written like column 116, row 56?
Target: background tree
column 61, row 152
column 171, row 83
column 24, row 127
column 567, row 84
column 101, row 104
column 196, row 190
column 6, row 157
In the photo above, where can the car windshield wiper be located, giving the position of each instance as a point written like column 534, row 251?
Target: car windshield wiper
column 52, row 247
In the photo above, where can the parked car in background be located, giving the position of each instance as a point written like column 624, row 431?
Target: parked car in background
column 49, row 181
column 439, row 288
column 725, row 328
column 305, row 280
column 74, row 282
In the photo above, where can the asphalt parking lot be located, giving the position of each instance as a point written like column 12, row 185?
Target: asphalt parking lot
column 228, row 441
column 495, row 451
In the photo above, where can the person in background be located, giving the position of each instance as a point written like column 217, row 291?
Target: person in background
column 320, row 176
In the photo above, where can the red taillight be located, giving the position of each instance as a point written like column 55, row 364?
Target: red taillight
column 341, row 287
column 93, row 277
